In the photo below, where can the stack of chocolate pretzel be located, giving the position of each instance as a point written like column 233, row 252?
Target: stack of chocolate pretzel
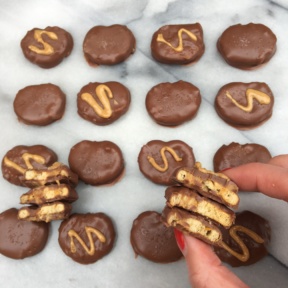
column 200, row 206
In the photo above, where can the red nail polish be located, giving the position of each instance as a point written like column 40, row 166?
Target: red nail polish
column 179, row 238
column 225, row 169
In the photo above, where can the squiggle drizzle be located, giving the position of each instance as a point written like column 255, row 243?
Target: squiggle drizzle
column 89, row 230
column 164, row 158
column 180, row 47
column 251, row 94
column 244, row 256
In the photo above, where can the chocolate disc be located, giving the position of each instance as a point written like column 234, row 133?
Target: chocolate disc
column 40, row 104
column 103, row 103
column 257, row 251
column 158, row 160
column 244, row 105
column 247, row 46
column 235, row 154
column 96, row 163
column 21, row 158
column 47, row 47
column 178, row 44
column 151, row 239
column 108, row 45
column 87, row 238
column 20, row 239
column 171, row 104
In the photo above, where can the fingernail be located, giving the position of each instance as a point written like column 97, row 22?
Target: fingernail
column 225, row 169
column 180, row 239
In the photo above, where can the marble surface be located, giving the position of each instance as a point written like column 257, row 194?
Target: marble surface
column 134, row 194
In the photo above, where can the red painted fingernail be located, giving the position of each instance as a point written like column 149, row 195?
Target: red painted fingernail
column 179, row 238
column 225, row 169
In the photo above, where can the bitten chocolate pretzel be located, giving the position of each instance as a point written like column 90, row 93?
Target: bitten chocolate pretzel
column 48, row 194
column 192, row 224
column 56, row 173
column 190, row 200
column 46, row 212
column 216, row 186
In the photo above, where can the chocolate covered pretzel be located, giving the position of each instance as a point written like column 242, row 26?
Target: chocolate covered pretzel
column 216, row 186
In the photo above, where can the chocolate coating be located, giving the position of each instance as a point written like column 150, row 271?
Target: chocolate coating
column 238, row 117
column 40, row 104
column 235, row 154
column 247, row 46
column 79, row 223
column 171, row 104
column 96, row 163
column 151, row 239
column 152, row 150
column 20, row 239
column 98, row 113
column 257, row 251
column 108, row 45
column 15, row 157
column 51, row 49
column 190, row 51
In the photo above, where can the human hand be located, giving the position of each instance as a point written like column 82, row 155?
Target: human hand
column 204, row 267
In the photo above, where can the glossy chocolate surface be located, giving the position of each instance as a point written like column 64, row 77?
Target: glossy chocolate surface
column 87, row 238
column 40, row 104
column 20, row 239
column 237, row 116
column 103, row 103
column 151, row 239
column 158, row 172
column 96, row 163
column 14, row 165
column 178, row 44
column 257, row 251
column 235, row 154
column 108, row 45
column 47, row 47
column 171, row 104
column 247, row 46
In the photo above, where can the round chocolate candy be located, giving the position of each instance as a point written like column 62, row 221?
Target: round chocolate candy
column 96, row 163
column 87, row 238
column 244, row 105
column 40, row 105
column 171, row 104
column 151, row 239
column 235, row 154
column 47, row 47
column 178, row 44
column 103, row 103
column 20, row 239
column 158, row 160
column 253, row 231
column 247, row 46
column 20, row 158
column 108, row 45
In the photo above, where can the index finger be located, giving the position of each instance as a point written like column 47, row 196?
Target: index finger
column 271, row 180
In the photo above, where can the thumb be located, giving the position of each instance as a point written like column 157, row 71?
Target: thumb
column 205, row 268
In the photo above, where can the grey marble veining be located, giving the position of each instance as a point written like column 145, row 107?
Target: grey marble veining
column 134, row 194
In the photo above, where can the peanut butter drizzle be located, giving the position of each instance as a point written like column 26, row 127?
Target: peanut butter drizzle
column 164, row 158
column 180, row 47
column 103, row 93
column 26, row 157
column 251, row 94
column 89, row 230
column 47, row 48
column 245, row 252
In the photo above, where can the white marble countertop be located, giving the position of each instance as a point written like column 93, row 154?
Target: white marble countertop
column 135, row 194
